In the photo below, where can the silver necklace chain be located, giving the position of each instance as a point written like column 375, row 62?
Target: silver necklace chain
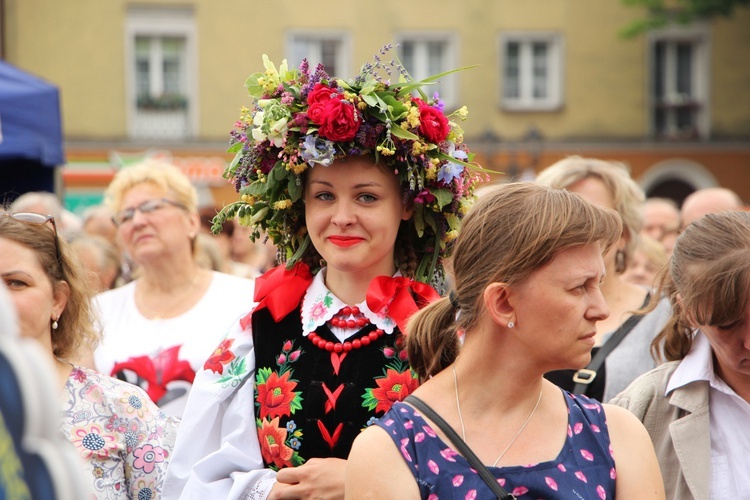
column 463, row 428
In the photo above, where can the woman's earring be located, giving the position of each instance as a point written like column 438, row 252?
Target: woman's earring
column 511, row 324
column 620, row 262
column 54, row 323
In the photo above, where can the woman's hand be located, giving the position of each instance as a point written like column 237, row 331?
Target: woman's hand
column 318, row 478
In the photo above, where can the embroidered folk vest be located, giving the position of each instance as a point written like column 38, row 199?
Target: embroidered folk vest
column 312, row 403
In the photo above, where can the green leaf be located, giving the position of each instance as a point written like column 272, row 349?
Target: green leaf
column 407, row 87
column 419, row 220
column 444, row 196
column 230, row 170
column 262, row 376
column 300, row 251
column 396, row 107
column 297, row 459
column 470, row 166
column 371, row 100
column 296, row 403
column 253, row 87
column 295, row 190
column 453, row 221
column 402, row 133
column 369, row 401
column 237, row 146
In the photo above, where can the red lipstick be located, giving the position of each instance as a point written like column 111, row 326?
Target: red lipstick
column 345, row 241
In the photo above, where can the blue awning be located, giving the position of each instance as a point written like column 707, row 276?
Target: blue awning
column 30, row 122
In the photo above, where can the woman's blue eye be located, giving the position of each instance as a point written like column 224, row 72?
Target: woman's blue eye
column 324, row 196
column 368, row 198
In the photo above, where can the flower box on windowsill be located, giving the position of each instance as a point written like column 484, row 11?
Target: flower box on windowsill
column 160, row 124
column 166, row 102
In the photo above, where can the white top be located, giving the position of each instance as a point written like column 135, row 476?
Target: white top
column 729, row 416
column 217, row 454
column 166, row 353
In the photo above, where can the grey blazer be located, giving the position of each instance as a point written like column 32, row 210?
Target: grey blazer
column 679, row 428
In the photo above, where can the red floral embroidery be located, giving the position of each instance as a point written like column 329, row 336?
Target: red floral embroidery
column 395, row 386
column 275, row 395
column 220, row 357
column 272, row 444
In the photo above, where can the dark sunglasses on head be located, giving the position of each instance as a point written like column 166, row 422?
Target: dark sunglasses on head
column 126, row 215
column 37, row 220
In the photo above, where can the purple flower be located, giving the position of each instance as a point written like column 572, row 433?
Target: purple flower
column 317, row 150
column 436, row 102
column 451, row 170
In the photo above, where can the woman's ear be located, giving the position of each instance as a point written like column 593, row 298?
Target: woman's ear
column 60, row 296
column 194, row 224
column 498, row 306
column 408, row 210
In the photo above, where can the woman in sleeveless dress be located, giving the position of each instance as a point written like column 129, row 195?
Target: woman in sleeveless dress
column 527, row 269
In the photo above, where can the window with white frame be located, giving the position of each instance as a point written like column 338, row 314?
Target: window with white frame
column 160, row 71
column 427, row 55
column 531, row 71
column 330, row 49
column 678, row 83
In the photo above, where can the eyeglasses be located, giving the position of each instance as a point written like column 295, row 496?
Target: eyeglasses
column 37, row 220
column 147, row 207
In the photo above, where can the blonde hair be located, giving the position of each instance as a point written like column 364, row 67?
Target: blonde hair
column 76, row 329
column 707, row 281
column 510, row 232
column 159, row 173
column 627, row 195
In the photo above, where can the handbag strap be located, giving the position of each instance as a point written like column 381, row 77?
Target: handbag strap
column 461, row 445
column 585, row 376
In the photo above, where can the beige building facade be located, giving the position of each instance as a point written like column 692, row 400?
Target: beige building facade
column 550, row 78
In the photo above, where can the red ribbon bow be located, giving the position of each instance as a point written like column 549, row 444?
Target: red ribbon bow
column 280, row 290
column 395, row 294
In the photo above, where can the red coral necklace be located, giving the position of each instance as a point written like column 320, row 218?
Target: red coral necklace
column 347, row 317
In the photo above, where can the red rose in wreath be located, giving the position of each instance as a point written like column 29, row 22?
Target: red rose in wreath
column 318, row 97
column 320, row 94
column 432, row 122
column 339, row 120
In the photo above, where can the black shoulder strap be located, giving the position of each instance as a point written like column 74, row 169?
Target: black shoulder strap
column 585, row 376
column 459, row 443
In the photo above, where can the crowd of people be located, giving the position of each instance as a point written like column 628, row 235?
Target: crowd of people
column 347, row 335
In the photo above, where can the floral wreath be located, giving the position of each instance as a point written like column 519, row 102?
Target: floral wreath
column 301, row 119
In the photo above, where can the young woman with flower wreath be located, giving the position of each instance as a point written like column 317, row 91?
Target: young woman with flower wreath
column 362, row 187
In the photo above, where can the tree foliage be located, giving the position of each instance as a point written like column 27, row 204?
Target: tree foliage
column 663, row 12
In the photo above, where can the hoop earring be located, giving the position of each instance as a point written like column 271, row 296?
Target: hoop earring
column 620, row 262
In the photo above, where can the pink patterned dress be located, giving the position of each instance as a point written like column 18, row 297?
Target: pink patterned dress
column 584, row 469
column 124, row 439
